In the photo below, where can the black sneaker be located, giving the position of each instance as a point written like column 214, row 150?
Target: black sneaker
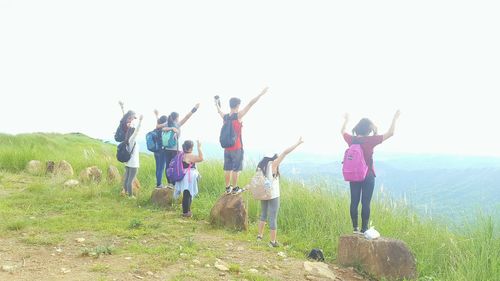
column 229, row 189
column 259, row 238
column 274, row 244
column 357, row 232
column 237, row 190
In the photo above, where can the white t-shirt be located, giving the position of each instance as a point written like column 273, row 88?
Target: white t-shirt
column 134, row 157
column 275, row 181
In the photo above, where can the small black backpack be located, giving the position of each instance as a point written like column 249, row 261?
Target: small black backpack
column 122, row 153
column 317, row 255
column 228, row 136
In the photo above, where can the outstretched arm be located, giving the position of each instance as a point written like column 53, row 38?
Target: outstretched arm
column 277, row 162
column 121, row 106
column 219, row 110
column 184, row 120
column 390, row 133
column 346, row 120
column 251, row 103
column 136, row 131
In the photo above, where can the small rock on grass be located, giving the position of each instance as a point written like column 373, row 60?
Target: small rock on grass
column 282, row 254
column 8, row 268
column 80, row 240
column 196, row 262
column 253, row 270
column 221, row 266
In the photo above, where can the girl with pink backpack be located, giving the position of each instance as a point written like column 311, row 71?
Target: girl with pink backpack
column 358, row 168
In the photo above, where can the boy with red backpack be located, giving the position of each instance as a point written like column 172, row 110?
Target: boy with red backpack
column 358, row 168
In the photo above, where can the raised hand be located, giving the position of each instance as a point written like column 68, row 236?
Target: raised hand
column 264, row 91
column 301, row 141
column 397, row 114
column 346, row 117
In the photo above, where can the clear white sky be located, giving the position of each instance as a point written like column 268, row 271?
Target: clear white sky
column 65, row 64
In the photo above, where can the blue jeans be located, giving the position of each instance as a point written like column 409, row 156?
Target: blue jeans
column 161, row 162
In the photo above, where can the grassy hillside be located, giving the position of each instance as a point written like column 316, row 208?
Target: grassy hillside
column 309, row 217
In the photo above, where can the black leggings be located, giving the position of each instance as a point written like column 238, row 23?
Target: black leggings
column 186, row 201
column 364, row 191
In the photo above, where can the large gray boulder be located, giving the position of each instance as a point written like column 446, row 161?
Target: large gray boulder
column 383, row 257
column 230, row 211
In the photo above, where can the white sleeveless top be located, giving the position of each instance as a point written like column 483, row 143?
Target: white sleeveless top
column 275, row 181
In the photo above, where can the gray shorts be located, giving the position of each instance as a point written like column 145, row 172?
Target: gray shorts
column 233, row 160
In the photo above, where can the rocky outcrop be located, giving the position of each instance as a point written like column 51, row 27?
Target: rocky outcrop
column 113, row 175
column 34, row 167
column 136, row 187
column 162, row 197
column 49, row 167
column 383, row 258
column 71, row 183
column 91, row 175
column 61, row 168
column 319, row 268
column 230, row 211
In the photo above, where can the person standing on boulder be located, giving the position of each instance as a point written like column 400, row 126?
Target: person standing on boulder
column 172, row 124
column 132, row 165
column 188, row 186
column 364, row 134
column 161, row 156
column 233, row 155
column 269, row 208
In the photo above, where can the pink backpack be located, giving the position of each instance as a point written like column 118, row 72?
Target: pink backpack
column 354, row 166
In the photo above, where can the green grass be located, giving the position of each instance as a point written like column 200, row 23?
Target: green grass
column 310, row 217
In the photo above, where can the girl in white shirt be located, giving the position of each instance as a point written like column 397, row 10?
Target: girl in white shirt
column 270, row 167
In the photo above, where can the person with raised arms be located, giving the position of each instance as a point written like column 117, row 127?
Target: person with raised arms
column 269, row 208
column 233, row 152
column 171, row 127
column 366, row 136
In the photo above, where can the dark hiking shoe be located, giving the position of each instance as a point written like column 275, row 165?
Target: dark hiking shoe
column 229, row 189
column 357, row 232
column 237, row 190
column 274, row 244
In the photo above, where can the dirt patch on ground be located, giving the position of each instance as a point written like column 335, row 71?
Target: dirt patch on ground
column 67, row 261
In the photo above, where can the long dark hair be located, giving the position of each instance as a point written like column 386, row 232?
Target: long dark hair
column 364, row 128
column 126, row 116
column 124, row 124
column 264, row 163
column 171, row 119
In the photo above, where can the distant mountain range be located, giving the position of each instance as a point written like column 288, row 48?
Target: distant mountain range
column 439, row 186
